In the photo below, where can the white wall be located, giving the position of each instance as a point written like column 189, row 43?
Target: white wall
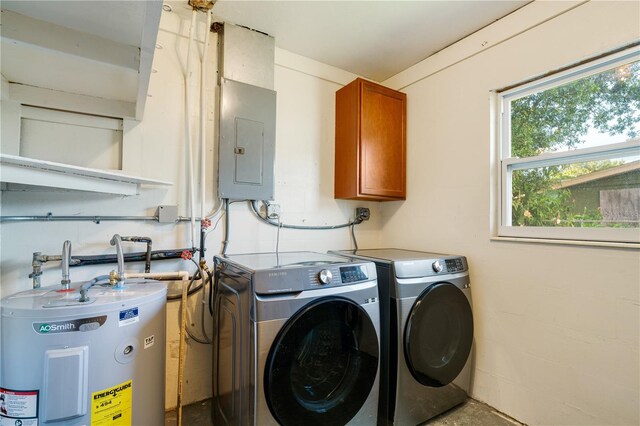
column 556, row 327
column 304, row 189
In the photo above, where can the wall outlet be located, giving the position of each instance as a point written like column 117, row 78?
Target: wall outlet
column 273, row 211
column 362, row 213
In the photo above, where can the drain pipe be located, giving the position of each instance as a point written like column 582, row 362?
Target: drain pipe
column 203, row 113
column 187, row 92
column 204, row 223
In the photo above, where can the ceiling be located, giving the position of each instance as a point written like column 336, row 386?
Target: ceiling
column 118, row 20
column 374, row 39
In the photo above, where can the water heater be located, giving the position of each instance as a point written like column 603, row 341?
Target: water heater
column 96, row 362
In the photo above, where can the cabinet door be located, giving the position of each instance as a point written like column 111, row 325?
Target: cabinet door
column 382, row 142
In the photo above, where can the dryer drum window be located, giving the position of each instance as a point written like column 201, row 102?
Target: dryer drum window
column 322, row 365
column 438, row 335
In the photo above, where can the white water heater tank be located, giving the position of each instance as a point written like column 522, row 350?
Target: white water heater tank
column 98, row 362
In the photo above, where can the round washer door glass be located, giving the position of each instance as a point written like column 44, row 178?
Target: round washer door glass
column 438, row 335
column 322, row 365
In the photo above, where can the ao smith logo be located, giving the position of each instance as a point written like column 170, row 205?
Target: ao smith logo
column 80, row 324
column 48, row 328
column 55, row 327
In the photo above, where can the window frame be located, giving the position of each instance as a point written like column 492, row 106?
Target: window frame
column 507, row 163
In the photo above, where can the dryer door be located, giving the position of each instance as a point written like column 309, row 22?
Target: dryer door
column 322, row 365
column 438, row 335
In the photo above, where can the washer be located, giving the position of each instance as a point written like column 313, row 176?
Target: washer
column 427, row 332
column 297, row 339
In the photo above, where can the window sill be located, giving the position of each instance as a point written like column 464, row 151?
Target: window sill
column 603, row 244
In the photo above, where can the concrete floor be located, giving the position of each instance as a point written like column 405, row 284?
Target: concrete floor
column 471, row 413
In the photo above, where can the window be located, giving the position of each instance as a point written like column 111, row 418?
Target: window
column 570, row 153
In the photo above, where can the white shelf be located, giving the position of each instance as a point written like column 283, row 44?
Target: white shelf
column 39, row 173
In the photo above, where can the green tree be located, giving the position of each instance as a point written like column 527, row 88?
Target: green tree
column 559, row 119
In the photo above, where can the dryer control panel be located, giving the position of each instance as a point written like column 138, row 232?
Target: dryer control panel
column 351, row 274
column 455, row 265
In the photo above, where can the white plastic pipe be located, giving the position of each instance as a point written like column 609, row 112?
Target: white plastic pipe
column 184, row 277
column 203, row 115
column 187, row 91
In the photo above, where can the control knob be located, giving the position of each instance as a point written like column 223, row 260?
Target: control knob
column 437, row 266
column 325, row 276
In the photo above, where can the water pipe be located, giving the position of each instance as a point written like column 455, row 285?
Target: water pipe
column 147, row 259
column 66, row 259
column 116, row 240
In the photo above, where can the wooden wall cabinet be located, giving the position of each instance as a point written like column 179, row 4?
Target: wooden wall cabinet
column 370, row 154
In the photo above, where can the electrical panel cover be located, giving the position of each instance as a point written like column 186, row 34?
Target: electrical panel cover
column 247, row 141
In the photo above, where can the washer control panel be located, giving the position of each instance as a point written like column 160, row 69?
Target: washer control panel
column 350, row 274
column 455, row 265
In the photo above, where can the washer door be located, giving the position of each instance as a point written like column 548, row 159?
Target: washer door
column 438, row 335
column 322, row 365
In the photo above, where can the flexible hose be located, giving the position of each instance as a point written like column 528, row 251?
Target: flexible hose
column 206, row 339
column 225, row 243
column 214, row 288
column 84, row 289
column 353, row 236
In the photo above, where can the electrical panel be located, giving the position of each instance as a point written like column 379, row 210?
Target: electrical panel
column 247, row 141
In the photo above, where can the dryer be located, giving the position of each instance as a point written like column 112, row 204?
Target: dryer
column 296, row 340
column 427, row 332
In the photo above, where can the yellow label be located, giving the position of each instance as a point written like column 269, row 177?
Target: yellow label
column 112, row 406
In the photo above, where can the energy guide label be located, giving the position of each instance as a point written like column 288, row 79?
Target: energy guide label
column 112, row 406
column 18, row 407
